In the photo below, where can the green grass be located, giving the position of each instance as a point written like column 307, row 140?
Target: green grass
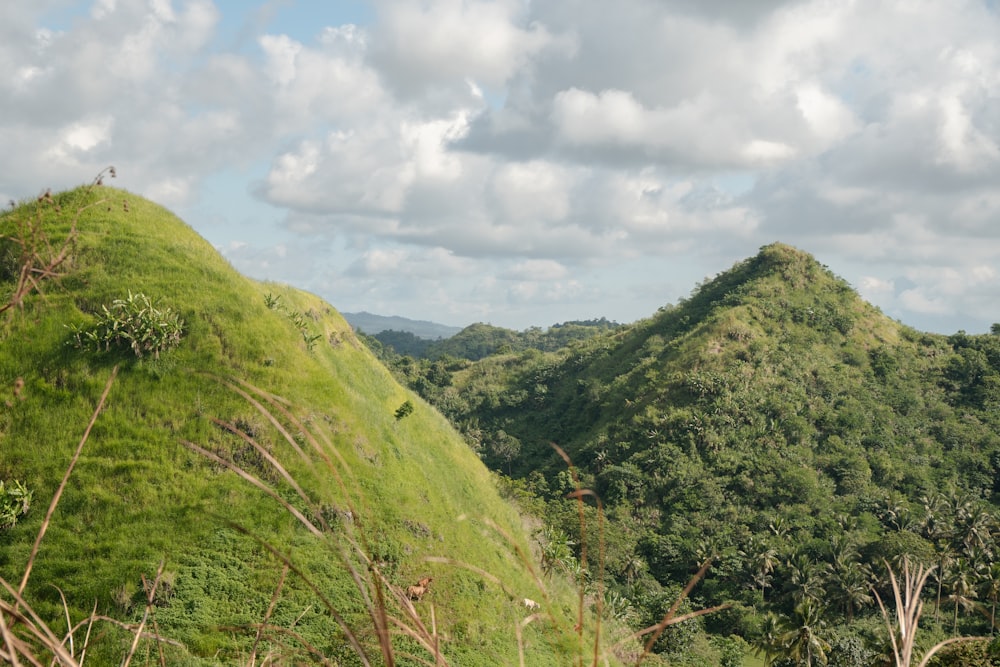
column 139, row 495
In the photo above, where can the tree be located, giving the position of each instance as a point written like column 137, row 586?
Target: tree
column 991, row 591
column 768, row 641
column 505, row 448
column 851, row 583
column 802, row 641
column 963, row 589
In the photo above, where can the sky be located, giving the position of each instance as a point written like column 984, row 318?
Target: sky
column 529, row 162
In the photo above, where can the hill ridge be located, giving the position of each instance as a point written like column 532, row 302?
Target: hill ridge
column 774, row 414
column 252, row 355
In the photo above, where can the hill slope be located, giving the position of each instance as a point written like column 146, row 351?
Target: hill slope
column 388, row 491
column 773, row 419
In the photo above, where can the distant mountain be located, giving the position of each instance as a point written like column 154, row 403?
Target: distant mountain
column 376, row 324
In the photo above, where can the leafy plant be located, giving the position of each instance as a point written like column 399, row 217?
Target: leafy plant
column 15, row 501
column 310, row 339
column 405, row 410
column 133, row 323
column 273, row 302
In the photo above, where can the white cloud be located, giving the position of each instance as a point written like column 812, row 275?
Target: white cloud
column 443, row 41
column 918, row 301
column 486, row 153
column 103, row 8
column 77, row 139
column 875, row 289
column 533, row 192
column 536, row 270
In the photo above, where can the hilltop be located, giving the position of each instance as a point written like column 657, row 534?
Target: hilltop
column 773, row 421
column 277, row 477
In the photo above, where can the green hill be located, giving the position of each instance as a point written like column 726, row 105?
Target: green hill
column 479, row 340
column 775, row 421
column 267, row 380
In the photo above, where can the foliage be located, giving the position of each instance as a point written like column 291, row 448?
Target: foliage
column 301, row 322
column 15, row 501
column 773, row 419
column 132, row 323
column 479, row 340
column 404, row 410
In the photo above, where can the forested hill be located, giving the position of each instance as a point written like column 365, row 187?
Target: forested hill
column 773, row 419
column 479, row 340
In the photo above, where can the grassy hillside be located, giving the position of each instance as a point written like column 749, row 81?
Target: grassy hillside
column 394, row 495
column 777, row 423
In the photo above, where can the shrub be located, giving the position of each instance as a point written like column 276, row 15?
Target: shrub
column 15, row 501
column 404, row 410
column 133, row 323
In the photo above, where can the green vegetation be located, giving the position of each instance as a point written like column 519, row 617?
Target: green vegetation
column 248, row 491
column 736, row 479
column 404, row 410
column 132, row 323
column 777, row 422
column 482, row 340
column 15, row 501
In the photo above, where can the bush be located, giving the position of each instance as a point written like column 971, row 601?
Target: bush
column 405, row 410
column 133, row 323
column 15, row 501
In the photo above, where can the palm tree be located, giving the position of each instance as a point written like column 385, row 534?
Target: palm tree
column 975, row 527
column 805, row 580
column 768, row 642
column 800, row 642
column 991, row 591
column 852, row 586
column 945, row 558
column 963, row 589
column 761, row 559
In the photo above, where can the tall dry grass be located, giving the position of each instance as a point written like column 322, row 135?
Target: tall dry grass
column 909, row 606
column 40, row 258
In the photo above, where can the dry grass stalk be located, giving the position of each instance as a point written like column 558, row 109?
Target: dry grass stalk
column 40, row 637
column 365, row 574
column 39, row 260
column 578, row 494
column 21, row 613
column 151, row 593
column 267, row 616
column 62, row 485
column 351, row 637
column 670, row 617
column 909, row 607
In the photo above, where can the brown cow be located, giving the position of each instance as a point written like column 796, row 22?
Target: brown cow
column 416, row 592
